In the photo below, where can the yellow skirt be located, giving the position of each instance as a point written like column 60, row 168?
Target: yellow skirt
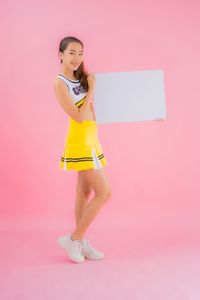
column 82, row 148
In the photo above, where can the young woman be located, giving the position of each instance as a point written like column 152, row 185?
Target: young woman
column 74, row 90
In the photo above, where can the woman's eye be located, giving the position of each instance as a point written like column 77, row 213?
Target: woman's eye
column 79, row 54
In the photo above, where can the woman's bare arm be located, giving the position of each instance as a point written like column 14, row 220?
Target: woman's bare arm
column 87, row 100
column 65, row 100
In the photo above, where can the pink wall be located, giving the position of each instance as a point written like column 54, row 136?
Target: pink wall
column 153, row 167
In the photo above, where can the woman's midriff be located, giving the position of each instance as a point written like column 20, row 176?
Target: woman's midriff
column 89, row 114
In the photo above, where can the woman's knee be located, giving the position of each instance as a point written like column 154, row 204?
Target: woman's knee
column 87, row 192
column 99, row 183
column 84, row 190
column 105, row 194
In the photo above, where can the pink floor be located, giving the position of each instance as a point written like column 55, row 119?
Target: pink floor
column 139, row 263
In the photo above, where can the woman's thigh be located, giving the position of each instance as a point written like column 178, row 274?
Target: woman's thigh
column 98, row 180
column 83, row 187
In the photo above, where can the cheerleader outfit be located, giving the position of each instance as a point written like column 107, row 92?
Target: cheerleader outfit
column 82, row 148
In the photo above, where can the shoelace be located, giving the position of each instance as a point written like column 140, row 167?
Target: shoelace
column 79, row 245
column 87, row 244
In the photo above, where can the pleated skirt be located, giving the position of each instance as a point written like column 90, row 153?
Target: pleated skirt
column 82, row 149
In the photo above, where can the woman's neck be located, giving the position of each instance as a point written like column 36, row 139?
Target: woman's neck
column 68, row 73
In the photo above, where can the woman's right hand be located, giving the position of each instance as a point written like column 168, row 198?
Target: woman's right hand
column 91, row 80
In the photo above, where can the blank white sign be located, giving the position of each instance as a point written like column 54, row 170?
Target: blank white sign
column 129, row 96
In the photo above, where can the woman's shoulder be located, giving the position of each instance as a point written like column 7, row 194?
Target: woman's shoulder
column 64, row 77
column 59, row 83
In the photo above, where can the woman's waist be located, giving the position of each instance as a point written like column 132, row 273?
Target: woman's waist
column 88, row 115
column 84, row 123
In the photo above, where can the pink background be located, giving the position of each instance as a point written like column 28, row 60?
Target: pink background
column 153, row 167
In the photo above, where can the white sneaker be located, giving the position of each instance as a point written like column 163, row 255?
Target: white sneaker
column 72, row 247
column 90, row 252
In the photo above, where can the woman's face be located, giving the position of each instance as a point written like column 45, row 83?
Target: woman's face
column 72, row 57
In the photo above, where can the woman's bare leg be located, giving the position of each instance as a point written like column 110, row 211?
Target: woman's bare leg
column 99, row 182
column 83, row 191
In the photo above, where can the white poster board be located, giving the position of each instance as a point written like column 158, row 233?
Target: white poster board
column 129, row 96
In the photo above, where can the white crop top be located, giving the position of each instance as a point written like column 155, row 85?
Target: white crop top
column 76, row 90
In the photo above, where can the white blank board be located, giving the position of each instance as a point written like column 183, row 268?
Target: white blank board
column 129, row 96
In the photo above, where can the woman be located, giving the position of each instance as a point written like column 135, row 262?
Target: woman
column 74, row 90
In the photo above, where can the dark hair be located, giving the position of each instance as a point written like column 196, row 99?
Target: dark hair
column 80, row 74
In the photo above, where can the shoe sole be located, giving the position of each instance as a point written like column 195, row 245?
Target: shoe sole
column 99, row 258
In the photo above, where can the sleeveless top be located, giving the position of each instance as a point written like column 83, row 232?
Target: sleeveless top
column 76, row 90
